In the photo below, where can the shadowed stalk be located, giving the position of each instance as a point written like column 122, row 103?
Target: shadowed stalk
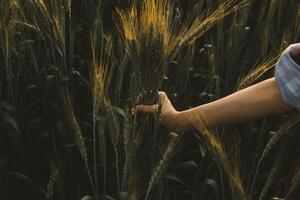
column 163, row 163
column 295, row 183
column 271, row 176
column 282, row 131
column 114, row 126
column 220, row 156
column 101, row 52
column 102, row 148
column 127, row 129
column 128, row 140
column 117, row 170
column 68, row 8
column 132, row 151
column 78, row 134
column 156, row 128
column 130, row 156
column 256, row 73
column 8, row 21
column 131, row 143
column 95, row 157
column 52, row 19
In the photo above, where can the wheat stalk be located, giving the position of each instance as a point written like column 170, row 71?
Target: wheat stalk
column 220, row 155
column 99, row 72
column 259, row 71
column 271, row 177
column 130, row 156
column 153, row 37
column 282, row 131
column 163, row 163
column 8, row 17
column 295, row 183
column 102, row 147
column 77, row 131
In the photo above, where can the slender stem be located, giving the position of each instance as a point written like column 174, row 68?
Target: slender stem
column 104, row 179
column 222, row 181
column 254, row 178
column 90, row 176
column 147, row 194
column 117, row 170
column 95, row 159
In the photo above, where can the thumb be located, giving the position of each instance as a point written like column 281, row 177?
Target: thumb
column 147, row 109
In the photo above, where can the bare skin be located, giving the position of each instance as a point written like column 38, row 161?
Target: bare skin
column 257, row 101
column 260, row 100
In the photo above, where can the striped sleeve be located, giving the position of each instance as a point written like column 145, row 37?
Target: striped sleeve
column 287, row 77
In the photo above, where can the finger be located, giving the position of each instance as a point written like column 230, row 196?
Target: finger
column 162, row 95
column 147, row 109
column 163, row 99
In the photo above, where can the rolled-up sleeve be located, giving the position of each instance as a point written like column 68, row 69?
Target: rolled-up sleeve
column 287, row 77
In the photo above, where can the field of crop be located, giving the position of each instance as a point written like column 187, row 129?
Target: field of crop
column 72, row 70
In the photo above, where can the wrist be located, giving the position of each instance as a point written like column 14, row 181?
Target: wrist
column 196, row 118
column 184, row 119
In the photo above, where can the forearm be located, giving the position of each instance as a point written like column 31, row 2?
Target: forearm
column 257, row 101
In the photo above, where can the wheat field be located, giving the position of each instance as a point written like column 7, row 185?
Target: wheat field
column 71, row 71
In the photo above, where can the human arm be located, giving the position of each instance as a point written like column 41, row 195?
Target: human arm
column 257, row 101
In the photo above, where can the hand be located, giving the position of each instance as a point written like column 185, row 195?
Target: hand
column 169, row 116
